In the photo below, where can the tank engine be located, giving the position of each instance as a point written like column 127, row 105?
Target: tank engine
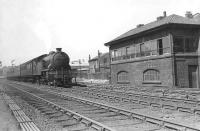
column 52, row 69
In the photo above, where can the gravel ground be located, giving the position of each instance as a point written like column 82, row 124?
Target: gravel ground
column 7, row 120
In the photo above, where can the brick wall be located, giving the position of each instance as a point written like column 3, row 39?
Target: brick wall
column 99, row 75
column 135, row 70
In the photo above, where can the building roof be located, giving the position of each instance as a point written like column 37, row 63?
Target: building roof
column 172, row 19
column 93, row 59
column 96, row 57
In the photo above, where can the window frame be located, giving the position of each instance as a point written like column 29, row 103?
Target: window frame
column 160, row 46
column 153, row 77
column 184, row 38
column 143, row 49
column 122, row 76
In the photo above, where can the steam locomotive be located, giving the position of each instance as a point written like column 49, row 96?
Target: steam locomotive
column 51, row 69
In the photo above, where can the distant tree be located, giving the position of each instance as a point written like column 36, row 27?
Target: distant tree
column 0, row 63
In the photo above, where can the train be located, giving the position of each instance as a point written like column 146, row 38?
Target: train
column 49, row 69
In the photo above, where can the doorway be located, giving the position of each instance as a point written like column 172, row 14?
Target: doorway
column 193, row 76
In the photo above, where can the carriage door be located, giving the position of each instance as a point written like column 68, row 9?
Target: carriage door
column 193, row 76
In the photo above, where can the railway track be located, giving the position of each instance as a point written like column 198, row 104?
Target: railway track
column 65, row 118
column 111, row 117
column 181, row 105
column 24, row 122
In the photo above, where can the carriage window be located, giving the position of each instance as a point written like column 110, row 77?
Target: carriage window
column 122, row 76
column 151, row 75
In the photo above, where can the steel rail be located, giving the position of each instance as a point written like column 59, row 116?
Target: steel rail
column 133, row 114
column 160, row 97
column 163, row 99
column 147, row 118
column 75, row 115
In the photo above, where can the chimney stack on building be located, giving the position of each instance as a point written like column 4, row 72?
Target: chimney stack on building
column 161, row 17
column 188, row 14
column 139, row 25
column 164, row 14
column 89, row 57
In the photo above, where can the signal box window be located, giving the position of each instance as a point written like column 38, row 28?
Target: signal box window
column 184, row 44
column 151, row 75
column 178, row 44
column 160, row 47
column 128, row 52
column 115, row 53
column 142, row 49
column 122, row 76
column 190, row 45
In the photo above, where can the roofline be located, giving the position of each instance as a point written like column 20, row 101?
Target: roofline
column 144, row 32
column 96, row 57
column 93, row 59
column 44, row 55
column 132, row 36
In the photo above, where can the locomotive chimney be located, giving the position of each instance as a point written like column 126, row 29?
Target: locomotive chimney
column 58, row 49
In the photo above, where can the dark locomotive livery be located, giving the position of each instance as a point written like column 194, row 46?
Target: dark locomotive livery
column 51, row 69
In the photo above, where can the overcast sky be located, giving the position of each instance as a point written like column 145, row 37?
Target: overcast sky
column 29, row 28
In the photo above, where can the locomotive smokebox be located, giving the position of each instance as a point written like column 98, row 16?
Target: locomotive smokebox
column 58, row 49
column 57, row 60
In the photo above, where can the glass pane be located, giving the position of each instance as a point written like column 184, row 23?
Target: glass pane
column 122, row 77
column 190, row 45
column 151, row 75
column 115, row 53
column 133, row 49
column 178, row 44
column 112, row 54
column 137, row 48
column 123, row 51
column 160, row 47
column 128, row 50
column 153, row 45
